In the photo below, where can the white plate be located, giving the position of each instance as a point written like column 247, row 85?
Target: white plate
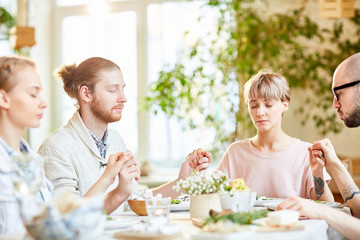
column 334, row 204
column 180, row 207
column 271, row 205
column 260, row 203
column 118, row 223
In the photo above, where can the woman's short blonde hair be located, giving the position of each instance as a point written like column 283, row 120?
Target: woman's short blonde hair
column 268, row 85
column 8, row 69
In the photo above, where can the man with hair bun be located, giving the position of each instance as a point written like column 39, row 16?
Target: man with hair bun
column 76, row 154
column 22, row 107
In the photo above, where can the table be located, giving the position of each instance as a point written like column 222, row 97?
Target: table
column 314, row 229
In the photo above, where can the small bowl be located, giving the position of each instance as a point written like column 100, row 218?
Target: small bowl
column 138, row 207
column 241, row 201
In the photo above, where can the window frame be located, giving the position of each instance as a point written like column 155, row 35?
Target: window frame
column 140, row 9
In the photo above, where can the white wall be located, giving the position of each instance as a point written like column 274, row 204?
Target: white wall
column 347, row 142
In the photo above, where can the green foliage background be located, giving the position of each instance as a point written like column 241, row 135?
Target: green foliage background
column 208, row 80
column 7, row 21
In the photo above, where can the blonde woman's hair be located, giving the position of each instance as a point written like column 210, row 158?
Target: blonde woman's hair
column 8, row 67
column 268, row 85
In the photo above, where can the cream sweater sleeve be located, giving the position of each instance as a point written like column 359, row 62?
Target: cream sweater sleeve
column 59, row 170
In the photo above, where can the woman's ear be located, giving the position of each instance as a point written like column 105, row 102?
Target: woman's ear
column 85, row 94
column 4, row 99
column 285, row 105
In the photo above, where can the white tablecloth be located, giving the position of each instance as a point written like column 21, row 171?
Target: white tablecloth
column 314, row 229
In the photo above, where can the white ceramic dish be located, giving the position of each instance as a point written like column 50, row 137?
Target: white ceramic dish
column 120, row 223
column 240, row 201
column 260, row 203
column 180, row 207
column 333, row 204
column 271, row 205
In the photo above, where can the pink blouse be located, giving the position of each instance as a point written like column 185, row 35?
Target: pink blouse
column 278, row 174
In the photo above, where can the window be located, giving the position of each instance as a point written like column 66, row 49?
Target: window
column 70, row 2
column 140, row 36
column 112, row 37
column 167, row 23
column 5, row 48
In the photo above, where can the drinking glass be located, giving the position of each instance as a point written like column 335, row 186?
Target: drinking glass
column 158, row 210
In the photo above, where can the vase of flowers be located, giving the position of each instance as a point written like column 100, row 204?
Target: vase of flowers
column 203, row 189
column 200, row 205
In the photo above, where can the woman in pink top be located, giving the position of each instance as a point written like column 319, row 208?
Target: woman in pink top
column 273, row 163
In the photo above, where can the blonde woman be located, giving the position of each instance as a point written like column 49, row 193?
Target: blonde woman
column 272, row 163
column 21, row 107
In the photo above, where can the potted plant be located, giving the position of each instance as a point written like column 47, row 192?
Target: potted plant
column 203, row 188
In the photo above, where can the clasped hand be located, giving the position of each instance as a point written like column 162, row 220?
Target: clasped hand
column 322, row 154
column 197, row 159
column 123, row 165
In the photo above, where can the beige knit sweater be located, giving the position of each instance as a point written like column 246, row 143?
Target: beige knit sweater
column 72, row 160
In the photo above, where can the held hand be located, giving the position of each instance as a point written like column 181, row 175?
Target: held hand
column 306, row 207
column 129, row 171
column 197, row 159
column 329, row 152
column 317, row 162
column 114, row 165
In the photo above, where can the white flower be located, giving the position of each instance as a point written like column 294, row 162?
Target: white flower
column 202, row 182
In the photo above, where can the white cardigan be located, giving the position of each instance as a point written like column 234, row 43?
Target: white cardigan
column 72, row 160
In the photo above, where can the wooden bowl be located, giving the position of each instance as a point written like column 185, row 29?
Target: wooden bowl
column 138, row 207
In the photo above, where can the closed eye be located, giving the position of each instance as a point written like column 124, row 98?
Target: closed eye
column 338, row 94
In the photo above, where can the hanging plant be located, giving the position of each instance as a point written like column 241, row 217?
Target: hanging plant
column 7, row 21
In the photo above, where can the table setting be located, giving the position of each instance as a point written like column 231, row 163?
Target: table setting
column 238, row 214
column 213, row 207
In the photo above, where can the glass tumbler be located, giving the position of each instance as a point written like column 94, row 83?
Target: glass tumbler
column 158, row 210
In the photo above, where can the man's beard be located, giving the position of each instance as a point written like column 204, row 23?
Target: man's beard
column 353, row 120
column 102, row 114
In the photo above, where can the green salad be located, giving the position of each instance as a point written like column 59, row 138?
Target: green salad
column 175, row 201
column 240, row 218
column 262, row 198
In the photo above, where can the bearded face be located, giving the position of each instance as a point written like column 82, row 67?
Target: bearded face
column 105, row 113
column 353, row 119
